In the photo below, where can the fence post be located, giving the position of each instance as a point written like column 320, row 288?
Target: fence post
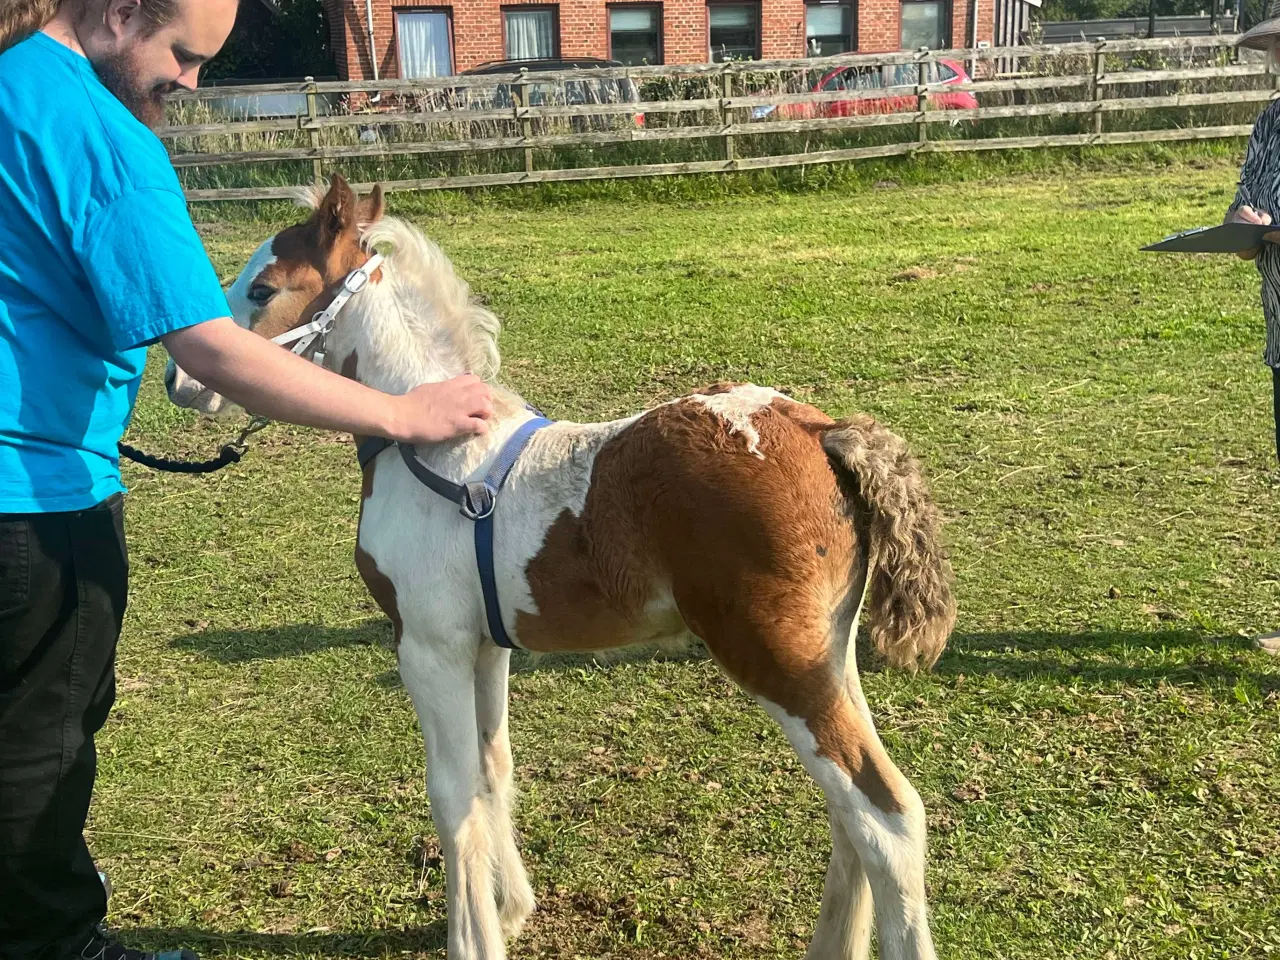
column 726, row 114
column 1095, row 88
column 526, row 125
column 313, row 132
column 922, row 100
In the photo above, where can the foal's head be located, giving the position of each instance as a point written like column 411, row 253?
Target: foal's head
column 416, row 323
column 291, row 277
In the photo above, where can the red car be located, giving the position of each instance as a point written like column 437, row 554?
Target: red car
column 876, row 78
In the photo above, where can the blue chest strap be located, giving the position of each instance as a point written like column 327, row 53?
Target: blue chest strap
column 476, row 500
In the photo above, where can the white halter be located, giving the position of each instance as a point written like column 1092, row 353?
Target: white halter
column 322, row 322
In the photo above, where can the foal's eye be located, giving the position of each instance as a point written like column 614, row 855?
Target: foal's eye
column 260, row 293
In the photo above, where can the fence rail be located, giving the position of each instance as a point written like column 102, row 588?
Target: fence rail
column 761, row 100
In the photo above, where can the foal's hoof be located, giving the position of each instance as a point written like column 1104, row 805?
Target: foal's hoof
column 1270, row 643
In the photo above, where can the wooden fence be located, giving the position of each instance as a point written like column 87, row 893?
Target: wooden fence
column 717, row 107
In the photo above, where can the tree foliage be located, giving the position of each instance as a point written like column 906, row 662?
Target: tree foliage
column 294, row 42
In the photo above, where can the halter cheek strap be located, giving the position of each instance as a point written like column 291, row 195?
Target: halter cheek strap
column 315, row 332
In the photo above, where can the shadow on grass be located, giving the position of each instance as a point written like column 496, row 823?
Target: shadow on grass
column 1180, row 657
column 1133, row 657
column 379, row 943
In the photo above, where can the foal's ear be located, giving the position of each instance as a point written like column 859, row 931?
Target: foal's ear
column 370, row 209
column 337, row 211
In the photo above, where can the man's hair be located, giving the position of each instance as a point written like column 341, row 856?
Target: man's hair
column 19, row 19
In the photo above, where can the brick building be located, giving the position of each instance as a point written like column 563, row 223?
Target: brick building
column 424, row 39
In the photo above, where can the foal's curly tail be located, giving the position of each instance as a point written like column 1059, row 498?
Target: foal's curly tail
column 19, row 19
column 912, row 608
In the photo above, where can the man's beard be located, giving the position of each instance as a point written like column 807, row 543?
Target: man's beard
column 119, row 74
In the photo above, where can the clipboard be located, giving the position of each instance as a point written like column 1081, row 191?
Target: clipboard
column 1223, row 238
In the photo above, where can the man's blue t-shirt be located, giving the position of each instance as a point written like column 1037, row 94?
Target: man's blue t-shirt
column 98, row 258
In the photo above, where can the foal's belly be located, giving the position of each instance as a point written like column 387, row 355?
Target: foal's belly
column 592, row 623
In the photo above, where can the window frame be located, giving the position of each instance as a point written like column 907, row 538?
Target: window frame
column 754, row 5
column 947, row 12
column 552, row 8
column 395, row 29
column 640, row 5
column 853, row 22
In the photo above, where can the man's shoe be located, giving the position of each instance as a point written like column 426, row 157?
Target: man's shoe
column 103, row 946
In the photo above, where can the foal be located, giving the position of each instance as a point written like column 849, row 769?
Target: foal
column 754, row 522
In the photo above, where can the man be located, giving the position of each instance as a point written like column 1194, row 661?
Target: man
column 98, row 259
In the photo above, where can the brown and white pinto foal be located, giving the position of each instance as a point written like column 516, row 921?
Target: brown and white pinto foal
column 752, row 521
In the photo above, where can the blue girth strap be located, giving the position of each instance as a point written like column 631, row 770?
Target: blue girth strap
column 476, row 500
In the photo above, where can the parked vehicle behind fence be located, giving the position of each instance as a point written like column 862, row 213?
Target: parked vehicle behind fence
column 863, row 79
column 572, row 93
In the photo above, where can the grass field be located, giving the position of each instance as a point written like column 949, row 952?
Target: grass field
column 1099, row 749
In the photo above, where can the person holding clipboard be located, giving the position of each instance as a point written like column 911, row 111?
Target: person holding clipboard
column 1257, row 201
column 1247, row 230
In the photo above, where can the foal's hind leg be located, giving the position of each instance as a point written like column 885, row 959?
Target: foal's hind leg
column 843, row 931
column 511, row 885
column 796, row 671
column 882, row 817
column 439, row 674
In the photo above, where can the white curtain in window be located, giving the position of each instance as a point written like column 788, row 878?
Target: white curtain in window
column 530, row 35
column 824, row 21
column 923, row 25
column 424, row 44
column 623, row 19
column 723, row 16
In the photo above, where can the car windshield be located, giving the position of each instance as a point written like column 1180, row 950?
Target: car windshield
column 853, row 79
column 557, row 94
column 908, row 74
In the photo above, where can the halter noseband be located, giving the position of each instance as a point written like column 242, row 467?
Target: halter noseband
column 320, row 325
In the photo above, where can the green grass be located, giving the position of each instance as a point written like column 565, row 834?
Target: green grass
column 1099, row 749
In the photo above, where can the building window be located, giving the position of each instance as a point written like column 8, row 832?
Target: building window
column 532, row 33
column 424, row 38
column 734, row 30
column 926, row 23
column 828, row 29
column 635, row 34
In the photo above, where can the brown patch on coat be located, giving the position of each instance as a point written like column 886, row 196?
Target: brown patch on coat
column 351, row 366
column 381, row 589
column 675, row 504
column 604, row 598
column 376, row 582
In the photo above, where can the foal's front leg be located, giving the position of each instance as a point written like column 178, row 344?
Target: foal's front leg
column 514, row 895
column 440, row 675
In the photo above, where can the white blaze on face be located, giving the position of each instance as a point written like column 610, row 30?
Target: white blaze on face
column 736, row 407
column 242, row 308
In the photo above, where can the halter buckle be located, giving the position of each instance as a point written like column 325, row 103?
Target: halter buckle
column 478, row 502
column 356, row 280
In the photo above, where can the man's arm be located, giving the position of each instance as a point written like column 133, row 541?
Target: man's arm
column 268, row 380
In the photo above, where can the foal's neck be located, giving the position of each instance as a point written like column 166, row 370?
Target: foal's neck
column 401, row 345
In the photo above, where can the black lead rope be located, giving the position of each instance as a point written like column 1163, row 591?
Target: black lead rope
column 229, row 454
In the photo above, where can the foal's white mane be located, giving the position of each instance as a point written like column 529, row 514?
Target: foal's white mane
column 434, row 305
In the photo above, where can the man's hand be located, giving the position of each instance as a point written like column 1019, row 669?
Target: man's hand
column 268, row 380
column 1246, row 214
column 441, row 411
